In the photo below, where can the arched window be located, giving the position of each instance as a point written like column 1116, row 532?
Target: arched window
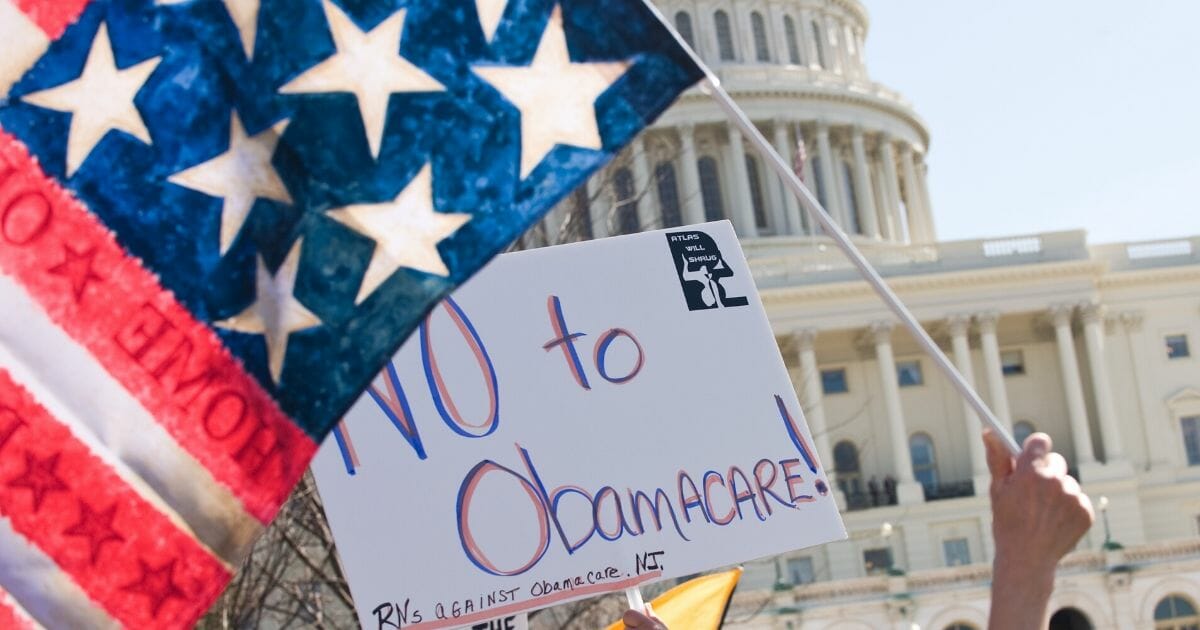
column 668, row 194
column 924, row 461
column 1023, row 430
column 818, row 46
column 724, row 36
column 759, row 26
column 1175, row 612
column 793, row 44
column 710, row 189
column 845, row 459
column 849, row 475
column 683, row 24
column 627, row 203
column 756, row 192
column 850, row 195
column 1070, row 619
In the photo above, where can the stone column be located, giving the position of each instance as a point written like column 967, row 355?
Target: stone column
column 772, row 188
column 601, row 205
column 887, row 155
column 1159, row 442
column 1093, row 332
column 791, row 208
column 848, row 63
column 689, row 176
column 908, row 490
column 926, row 204
column 1081, row 434
column 813, row 397
column 845, row 193
column 836, row 50
column 741, row 25
column 706, row 32
column 810, row 180
column 743, row 206
column 775, row 20
column 887, row 228
column 960, row 329
column 646, row 206
column 993, row 369
column 917, row 228
column 861, row 66
column 808, row 46
column 862, row 186
column 829, row 187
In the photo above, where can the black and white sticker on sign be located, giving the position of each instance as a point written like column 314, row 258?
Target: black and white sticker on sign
column 701, row 269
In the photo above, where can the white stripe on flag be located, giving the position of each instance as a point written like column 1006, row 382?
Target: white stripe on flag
column 72, row 385
column 23, row 44
column 43, row 591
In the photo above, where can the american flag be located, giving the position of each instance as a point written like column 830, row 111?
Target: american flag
column 219, row 218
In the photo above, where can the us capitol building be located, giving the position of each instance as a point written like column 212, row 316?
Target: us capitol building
column 1088, row 343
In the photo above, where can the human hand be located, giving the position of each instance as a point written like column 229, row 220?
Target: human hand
column 637, row 620
column 1039, row 513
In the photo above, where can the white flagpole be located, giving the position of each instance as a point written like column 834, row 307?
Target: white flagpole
column 633, row 597
column 711, row 85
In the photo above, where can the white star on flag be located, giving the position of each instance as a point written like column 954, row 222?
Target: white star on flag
column 240, row 175
column 367, row 65
column 406, row 232
column 490, row 13
column 275, row 313
column 556, row 97
column 99, row 100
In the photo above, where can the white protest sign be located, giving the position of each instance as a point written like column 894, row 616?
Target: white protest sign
column 576, row 420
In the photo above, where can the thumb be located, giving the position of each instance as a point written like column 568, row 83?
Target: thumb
column 999, row 461
column 1037, row 446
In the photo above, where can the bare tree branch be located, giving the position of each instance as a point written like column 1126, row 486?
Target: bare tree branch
column 292, row 578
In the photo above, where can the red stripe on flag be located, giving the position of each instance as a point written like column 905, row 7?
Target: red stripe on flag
column 52, row 16
column 11, row 617
column 123, row 553
column 174, row 365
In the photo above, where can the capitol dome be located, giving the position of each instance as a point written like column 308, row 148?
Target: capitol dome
column 797, row 67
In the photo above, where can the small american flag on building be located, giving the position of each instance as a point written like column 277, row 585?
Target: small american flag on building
column 219, row 218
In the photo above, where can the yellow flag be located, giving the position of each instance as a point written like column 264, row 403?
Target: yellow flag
column 698, row 604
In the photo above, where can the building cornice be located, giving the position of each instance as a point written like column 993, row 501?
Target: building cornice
column 1086, row 269
column 1158, row 275
column 830, row 94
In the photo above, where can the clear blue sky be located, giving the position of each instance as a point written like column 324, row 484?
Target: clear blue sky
column 1051, row 115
